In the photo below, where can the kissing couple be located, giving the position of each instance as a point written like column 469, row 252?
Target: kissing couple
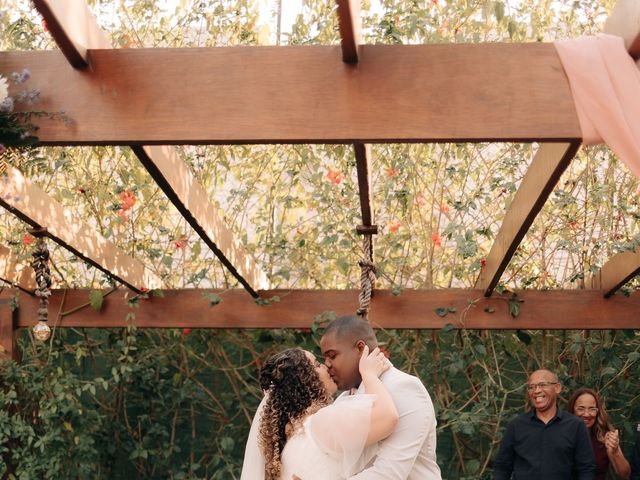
column 382, row 427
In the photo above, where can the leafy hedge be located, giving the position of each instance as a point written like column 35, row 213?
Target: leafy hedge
column 130, row 403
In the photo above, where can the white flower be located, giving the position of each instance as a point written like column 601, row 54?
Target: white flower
column 4, row 89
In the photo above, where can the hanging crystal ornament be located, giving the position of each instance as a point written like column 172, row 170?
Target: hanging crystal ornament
column 40, row 264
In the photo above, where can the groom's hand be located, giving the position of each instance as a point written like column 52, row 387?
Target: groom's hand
column 296, row 477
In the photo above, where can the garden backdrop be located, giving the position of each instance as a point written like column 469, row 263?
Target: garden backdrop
column 177, row 403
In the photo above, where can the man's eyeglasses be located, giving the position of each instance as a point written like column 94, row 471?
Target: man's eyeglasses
column 532, row 386
column 583, row 410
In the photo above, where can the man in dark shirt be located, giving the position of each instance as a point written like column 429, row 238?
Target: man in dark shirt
column 545, row 443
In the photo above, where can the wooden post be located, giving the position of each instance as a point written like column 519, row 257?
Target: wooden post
column 8, row 324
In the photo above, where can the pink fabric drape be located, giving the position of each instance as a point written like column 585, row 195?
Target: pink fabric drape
column 605, row 83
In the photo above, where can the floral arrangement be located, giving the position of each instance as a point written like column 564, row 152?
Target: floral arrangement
column 16, row 129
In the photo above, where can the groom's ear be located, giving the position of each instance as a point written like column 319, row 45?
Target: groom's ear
column 360, row 345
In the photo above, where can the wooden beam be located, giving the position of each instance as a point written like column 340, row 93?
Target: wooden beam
column 8, row 327
column 617, row 271
column 162, row 163
column 550, row 161
column 29, row 203
column 192, row 201
column 16, row 272
column 304, row 94
column 624, row 22
column 171, row 174
column 350, row 27
column 73, row 27
column 363, row 154
column 549, row 310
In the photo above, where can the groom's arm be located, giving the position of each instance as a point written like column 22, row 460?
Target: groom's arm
column 253, row 465
column 398, row 452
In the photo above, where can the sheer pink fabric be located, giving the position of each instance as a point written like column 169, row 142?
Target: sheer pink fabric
column 605, row 83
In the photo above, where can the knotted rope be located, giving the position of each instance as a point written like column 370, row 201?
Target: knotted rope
column 367, row 276
column 40, row 264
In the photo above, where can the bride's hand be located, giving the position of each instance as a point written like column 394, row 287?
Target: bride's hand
column 374, row 363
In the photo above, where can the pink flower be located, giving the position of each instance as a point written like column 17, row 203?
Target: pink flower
column 27, row 239
column 392, row 172
column 395, row 226
column 182, row 242
column 128, row 199
column 335, row 176
column 436, row 239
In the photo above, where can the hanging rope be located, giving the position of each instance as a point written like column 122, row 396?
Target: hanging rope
column 367, row 275
column 40, row 264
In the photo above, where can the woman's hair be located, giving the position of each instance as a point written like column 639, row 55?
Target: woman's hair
column 293, row 390
column 602, row 424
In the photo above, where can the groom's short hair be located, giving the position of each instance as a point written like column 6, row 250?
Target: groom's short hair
column 354, row 327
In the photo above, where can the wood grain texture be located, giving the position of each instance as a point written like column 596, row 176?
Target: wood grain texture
column 568, row 309
column 192, row 201
column 32, row 205
column 304, row 94
column 73, row 27
column 350, row 25
column 16, row 272
column 617, row 271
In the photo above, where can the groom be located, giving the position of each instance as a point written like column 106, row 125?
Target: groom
column 410, row 451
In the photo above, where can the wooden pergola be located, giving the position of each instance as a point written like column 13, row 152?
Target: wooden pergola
column 354, row 94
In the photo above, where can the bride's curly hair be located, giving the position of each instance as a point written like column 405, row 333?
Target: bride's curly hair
column 294, row 390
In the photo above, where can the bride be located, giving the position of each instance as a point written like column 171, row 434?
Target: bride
column 302, row 434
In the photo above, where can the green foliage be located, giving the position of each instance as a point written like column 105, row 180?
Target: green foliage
column 131, row 403
column 177, row 404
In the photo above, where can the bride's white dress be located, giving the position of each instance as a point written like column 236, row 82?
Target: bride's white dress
column 330, row 443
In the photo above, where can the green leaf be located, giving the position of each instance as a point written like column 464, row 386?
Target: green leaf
column 448, row 327
column 633, row 356
column 96, row 299
column 524, row 337
column 514, row 306
column 498, row 11
column 452, row 309
column 213, row 298
column 441, row 311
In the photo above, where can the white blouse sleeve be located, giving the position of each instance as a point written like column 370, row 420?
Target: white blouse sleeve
column 341, row 429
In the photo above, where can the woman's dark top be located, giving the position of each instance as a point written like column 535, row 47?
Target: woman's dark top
column 602, row 460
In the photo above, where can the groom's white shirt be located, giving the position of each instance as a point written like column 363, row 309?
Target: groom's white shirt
column 409, row 453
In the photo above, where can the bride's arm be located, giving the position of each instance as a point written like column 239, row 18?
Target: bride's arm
column 384, row 415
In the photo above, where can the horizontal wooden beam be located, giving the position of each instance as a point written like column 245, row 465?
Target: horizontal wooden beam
column 73, row 27
column 192, row 201
column 28, row 202
column 304, row 94
column 617, row 271
column 548, row 164
column 554, row 309
column 349, row 23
